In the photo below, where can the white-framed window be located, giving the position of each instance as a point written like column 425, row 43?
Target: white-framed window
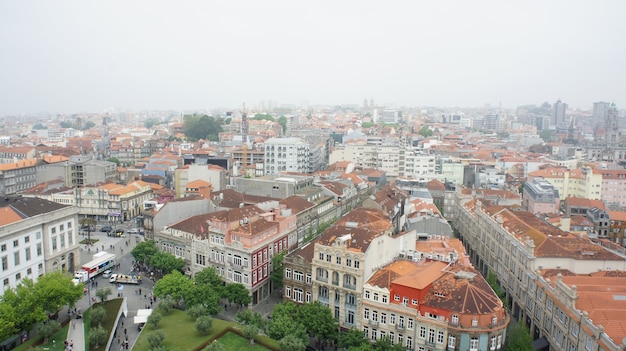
column 298, row 295
column 474, row 344
column 422, row 332
column 367, row 294
column 288, row 291
column 299, row 276
column 396, row 297
column 455, row 319
column 492, row 343
column 288, row 273
column 440, row 335
column 308, row 297
column 410, row 323
column 474, row 322
column 392, row 319
column 366, row 313
column 384, row 298
column 451, row 342
column 308, row 278
column 413, row 301
column 383, row 318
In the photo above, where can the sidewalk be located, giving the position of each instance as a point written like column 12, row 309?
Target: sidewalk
column 76, row 334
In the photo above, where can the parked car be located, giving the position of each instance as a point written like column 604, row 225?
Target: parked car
column 116, row 232
column 106, row 229
column 135, row 231
column 106, row 273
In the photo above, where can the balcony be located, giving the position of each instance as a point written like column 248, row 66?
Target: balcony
column 373, row 323
column 400, row 326
column 349, row 286
column 322, row 279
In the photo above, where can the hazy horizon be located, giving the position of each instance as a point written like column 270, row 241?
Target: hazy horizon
column 70, row 56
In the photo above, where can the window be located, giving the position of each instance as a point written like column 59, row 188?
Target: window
column 375, row 316
column 29, row 271
column 27, row 239
column 3, row 247
column 474, row 344
column 350, row 317
column 356, row 264
column 385, row 298
column 409, row 342
column 27, row 253
column 422, row 332
column 367, row 294
column 16, row 243
column 321, row 256
column 298, row 295
column 39, row 251
column 455, row 319
column 338, row 258
column 366, row 332
column 54, row 243
column 405, row 300
column 474, row 322
column 375, row 296
column 308, row 297
column 299, row 276
column 366, row 313
column 374, row 334
column 6, row 282
column 392, row 319
column 410, row 323
column 16, row 258
column 451, row 342
column 413, row 301
column 431, row 336
column 328, row 258
column 492, row 343
column 396, row 297
column 351, row 299
column 348, row 262
column 288, row 291
column 18, row 276
column 383, row 318
column 494, row 320
column 401, row 321
column 440, row 337
column 5, row 263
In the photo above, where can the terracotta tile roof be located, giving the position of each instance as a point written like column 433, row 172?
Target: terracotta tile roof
column 363, row 225
column 296, row 204
column 435, row 184
column 603, row 296
column 617, row 215
column 19, row 164
column 583, row 202
column 234, row 199
column 198, row 183
column 8, row 216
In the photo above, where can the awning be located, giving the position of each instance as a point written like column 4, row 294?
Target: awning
column 142, row 316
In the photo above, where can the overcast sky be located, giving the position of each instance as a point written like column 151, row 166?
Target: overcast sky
column 74, row 56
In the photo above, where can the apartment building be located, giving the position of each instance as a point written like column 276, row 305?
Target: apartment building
column 17, row 176
column 515, row 245
column 405, row 287
column 240, row 243
column 539, row 196
column 582, row 182
column 287, row 155
column 81, row 170
column 614, row 188
column 37, row 236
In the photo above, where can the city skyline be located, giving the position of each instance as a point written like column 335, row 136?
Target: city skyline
column 68, row 56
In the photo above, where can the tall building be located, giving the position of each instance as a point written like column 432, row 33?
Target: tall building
column 600, row 110
column 559, row 114
column 611, row 127
column 286, row 155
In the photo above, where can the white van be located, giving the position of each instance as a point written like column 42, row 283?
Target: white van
column 106, row 273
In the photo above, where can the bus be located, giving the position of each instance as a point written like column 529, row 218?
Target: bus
column 100, row 263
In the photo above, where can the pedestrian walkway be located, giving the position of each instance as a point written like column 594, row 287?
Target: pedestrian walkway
column 76, row 335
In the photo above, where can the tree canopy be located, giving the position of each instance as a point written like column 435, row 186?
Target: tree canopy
column 174, row 284
column 425, row 131
column 202, row 127
column 519, row 338
column 144, row 250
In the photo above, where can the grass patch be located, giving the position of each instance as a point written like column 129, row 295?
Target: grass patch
column 87, row 241
column 181, row 334
column 234, row 342
column 59, row 337
column 112, row 307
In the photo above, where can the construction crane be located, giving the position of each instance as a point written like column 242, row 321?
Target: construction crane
column 244, row 139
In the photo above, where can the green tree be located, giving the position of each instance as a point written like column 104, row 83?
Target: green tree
column 8, row 320
column 103, row 293
column 114, row 160
column 89, row 125
column 155, row 339
column 291, row 343
column 384, row 344
column 247, row 317
column 277, row 270
column 425, row 132
column 203, row 294
column 48, row 328
column 166, row 262
column 98, row 314
column 174, row 284
column 237, row 293
column 214, row 346
column 144, row 250
column 55, row 290
column 166, row 304
column 352, row 338
column 209, row 277
column 250, row 332
column 202, row 127
column 196, row 311
column 519, row 339
column 97, row 336
column 154, row 319
column 492, row 280
column 150, row 122
column 278, row 328
column 263, row 116
column 90, row 223
column 204, row 324
column 319, row 321
column 546, row 135
column 283, row 122
column 39, row 126
column 25, row 305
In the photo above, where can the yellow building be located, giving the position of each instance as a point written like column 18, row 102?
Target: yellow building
column 583, row 182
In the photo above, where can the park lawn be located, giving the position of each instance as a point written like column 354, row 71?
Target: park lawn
column 59, row 336
column 112, row 307
column 234, row 342
column 181, row 334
